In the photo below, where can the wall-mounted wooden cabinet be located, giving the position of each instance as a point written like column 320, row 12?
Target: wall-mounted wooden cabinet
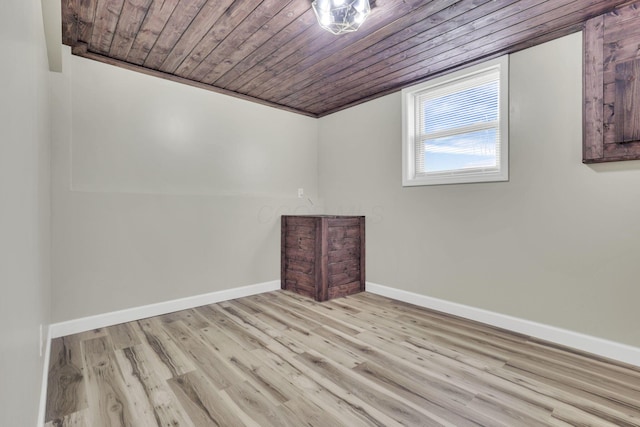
column 612, row 86
column 323, row 256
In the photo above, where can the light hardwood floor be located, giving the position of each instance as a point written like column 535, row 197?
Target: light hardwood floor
column 279, row 359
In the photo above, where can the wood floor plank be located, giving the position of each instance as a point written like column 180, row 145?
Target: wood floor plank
column 246, row 320
column 576, row 417
column 444, row 403
column 308, row 413
column 202, row 401
column 443, row 368
column 480, row 339
column 425, row 383
column 164, row 347
column 123, row 336
column 204, row 359
column 620, row 373
column 594, row 385
column 246, row 365
column 258, row 407
column 294, row 320
column 132, row 361
column 190, row 317
column 401, row 308
column 317, row 316
column 569, row 402
column 521, row 352
column 499, row 413
column 304, row 337
column 281, row 359
column 150, row 389
column 364, row 410
column 395, row 407
column 106, row 391
column 540, row 413
column 66, row 393
column 310, row 390
column 217, row 317
column 75, row 419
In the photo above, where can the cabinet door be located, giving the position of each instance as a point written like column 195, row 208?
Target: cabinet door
column 299, row 246
column 345, row 275
column 612, row 86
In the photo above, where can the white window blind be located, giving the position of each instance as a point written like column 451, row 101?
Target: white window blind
column 457, row 129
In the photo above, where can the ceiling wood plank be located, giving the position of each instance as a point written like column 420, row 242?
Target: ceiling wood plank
column 104, row 28
column 330, row 109
column 252, row 33
column 180, row 19
column 251, row 23
column 85, row 14
column 275, row 53
column 155, row 20
column 70, row 21
column 133, row 13
column 235, row 14
column 305, row 40
column 290, row 53
column 384, row 41
column 284, row 19
column 294, row 29
column 210, row 13
column 395, row 73
column 234, row 27
column 442, row 39
column 330, row 43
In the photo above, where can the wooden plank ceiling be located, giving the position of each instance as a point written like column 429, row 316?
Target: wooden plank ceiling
column 273, row 51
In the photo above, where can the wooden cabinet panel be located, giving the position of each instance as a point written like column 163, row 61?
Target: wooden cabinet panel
column 323, row 256
column 627, row 101
column 611, row 128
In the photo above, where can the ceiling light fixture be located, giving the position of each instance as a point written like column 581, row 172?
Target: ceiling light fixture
column 341, row 16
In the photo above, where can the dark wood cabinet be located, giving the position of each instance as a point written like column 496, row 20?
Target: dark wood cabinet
column 612, row 86
column 323, row 256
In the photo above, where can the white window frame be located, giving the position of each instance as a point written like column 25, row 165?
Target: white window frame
column 410, row 116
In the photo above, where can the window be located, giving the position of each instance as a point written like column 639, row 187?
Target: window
column 455, row 127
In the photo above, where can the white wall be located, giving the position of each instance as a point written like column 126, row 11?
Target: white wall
column 163, row 191
column 558, row 244
column 24, row 209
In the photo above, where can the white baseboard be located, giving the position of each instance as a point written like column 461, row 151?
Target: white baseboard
column 45, row 380
column 598, row 346
column 136, row 313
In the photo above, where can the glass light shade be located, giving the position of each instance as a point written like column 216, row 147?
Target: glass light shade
column 341, row 16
